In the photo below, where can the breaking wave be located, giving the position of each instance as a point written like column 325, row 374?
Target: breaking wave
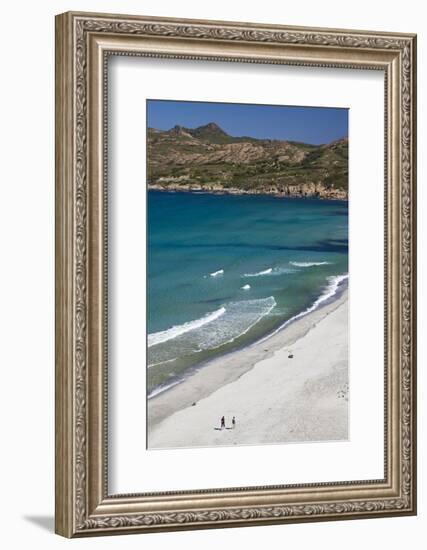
column 221, row 327
column 308, row 264
column 330, row 290
column 271, row 271
column 175, row 331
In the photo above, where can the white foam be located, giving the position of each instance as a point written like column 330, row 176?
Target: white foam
column 216, row 273
column 235, row 320
column 333, row 284
column 308, row 264
column 162, row 388
column 162, row 362
column 246, row 287
column 270, row 271
column 248, row 312
column 260, row 273
column 178, row 330
column 331, row 289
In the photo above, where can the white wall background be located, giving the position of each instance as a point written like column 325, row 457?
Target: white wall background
column 27, row 273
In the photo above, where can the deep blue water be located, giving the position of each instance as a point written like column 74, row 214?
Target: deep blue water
column 224, row 270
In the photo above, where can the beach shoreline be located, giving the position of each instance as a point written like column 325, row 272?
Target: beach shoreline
column 170, row 411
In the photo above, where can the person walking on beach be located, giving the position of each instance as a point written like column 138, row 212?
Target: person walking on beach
column 222, row 422
column 233, row 422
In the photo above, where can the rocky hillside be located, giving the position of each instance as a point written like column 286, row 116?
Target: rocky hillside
column 207, row 158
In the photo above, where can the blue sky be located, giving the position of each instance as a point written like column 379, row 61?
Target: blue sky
column 307, row 124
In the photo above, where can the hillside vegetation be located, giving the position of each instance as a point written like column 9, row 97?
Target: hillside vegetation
column 208, row 159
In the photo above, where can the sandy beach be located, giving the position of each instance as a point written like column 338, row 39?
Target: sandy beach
column 273, row 397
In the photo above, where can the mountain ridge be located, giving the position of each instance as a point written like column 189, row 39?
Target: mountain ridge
column 207, row 158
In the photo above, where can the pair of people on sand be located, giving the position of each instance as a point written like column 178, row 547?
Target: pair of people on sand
column 233, row 422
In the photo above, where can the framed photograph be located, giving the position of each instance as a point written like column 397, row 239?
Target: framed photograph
column 235, row 274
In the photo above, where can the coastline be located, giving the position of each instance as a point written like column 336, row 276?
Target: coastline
column 185, row 414
column 310, row 193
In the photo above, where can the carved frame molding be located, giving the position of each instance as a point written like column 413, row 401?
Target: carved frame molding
column 83, row 42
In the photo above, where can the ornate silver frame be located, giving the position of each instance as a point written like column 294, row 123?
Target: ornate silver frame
column 83, row 42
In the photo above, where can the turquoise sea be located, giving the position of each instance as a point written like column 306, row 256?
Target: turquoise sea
column 226, row 270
